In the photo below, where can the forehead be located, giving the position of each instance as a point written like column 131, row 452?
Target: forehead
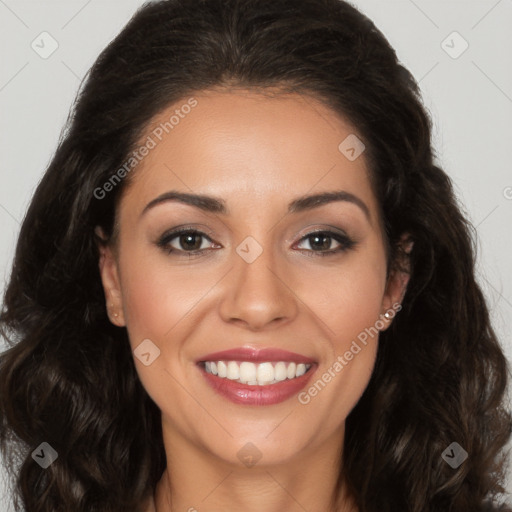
column 245, row 146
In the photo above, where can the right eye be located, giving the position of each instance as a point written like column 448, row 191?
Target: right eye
column 186, row 241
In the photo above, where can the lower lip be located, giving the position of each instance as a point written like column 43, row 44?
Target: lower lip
column 257, row 395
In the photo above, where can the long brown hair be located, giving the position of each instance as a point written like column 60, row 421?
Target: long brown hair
column 68, row 378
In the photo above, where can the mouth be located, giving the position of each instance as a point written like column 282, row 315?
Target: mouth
column 256, row 374
column 256, row 377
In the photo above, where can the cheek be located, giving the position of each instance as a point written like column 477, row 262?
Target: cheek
column 356, row 306
column 347, row 297
column 160, row 304
column 349, row 305
column 157, row 297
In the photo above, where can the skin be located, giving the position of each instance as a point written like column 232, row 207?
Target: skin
column 257, row 153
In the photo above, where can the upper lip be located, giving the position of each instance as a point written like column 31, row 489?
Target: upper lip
column 257, row 355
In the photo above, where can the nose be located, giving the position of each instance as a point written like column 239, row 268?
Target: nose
column 256, row 295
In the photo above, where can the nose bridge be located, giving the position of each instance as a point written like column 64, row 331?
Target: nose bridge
column 256, row 294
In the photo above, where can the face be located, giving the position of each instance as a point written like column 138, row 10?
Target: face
column 283, row 283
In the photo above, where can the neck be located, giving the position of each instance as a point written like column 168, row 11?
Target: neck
column 195, row 480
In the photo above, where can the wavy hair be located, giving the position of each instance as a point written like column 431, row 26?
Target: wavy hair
column 68, row 377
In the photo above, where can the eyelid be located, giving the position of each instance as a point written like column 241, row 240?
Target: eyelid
column 310, row 230
column 200, row 229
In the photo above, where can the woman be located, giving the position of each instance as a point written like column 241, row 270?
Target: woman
column 243, row 283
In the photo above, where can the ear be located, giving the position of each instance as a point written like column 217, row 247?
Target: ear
column 397, row 281
column 109, row 273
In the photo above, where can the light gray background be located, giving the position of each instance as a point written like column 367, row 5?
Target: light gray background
column 469, row 97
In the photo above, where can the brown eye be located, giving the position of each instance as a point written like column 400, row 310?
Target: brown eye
column 320, row 242
column 190, row 241
column 185, row 241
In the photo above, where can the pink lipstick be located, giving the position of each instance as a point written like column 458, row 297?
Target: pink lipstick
column 256, row 376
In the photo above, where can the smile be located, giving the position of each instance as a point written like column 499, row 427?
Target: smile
column 255, row 374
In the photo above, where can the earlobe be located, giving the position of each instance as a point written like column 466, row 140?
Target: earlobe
column 397, row 282
column 392, row 301
column 109, row 274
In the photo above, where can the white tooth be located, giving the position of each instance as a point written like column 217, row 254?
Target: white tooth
column 280, row 371
column 265, row 373
column 290, row 372
column 261, row 374
column 301, row 370
column 222, row 369
column 247, row 372
column 233, row 371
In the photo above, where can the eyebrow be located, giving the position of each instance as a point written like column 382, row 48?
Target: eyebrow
column 215, row 205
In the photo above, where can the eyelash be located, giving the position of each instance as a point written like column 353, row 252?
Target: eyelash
column 345, row 242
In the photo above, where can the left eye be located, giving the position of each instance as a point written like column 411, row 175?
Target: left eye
column 320, row 242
